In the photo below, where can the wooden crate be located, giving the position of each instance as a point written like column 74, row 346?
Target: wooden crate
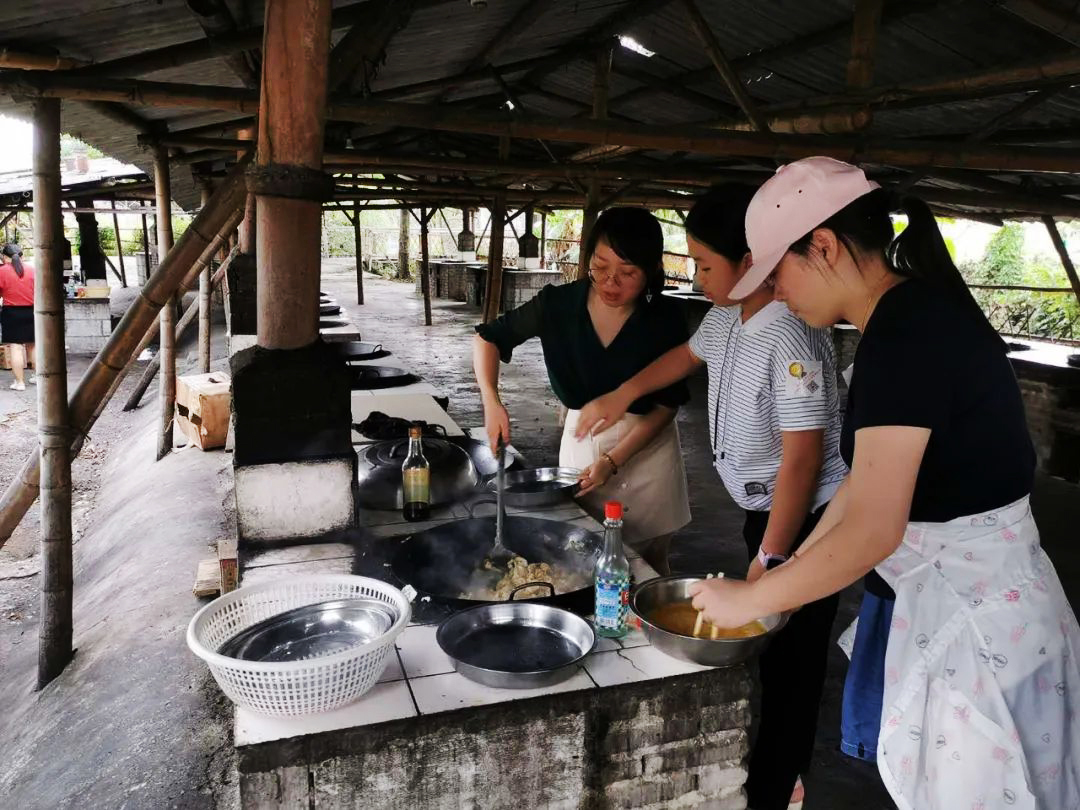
column 203, row 403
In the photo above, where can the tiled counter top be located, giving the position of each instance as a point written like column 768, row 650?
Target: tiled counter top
column 632, row 728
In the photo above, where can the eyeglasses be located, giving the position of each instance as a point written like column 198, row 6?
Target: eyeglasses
column 617, row 276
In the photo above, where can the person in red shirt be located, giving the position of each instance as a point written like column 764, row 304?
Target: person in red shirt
column 17, row 316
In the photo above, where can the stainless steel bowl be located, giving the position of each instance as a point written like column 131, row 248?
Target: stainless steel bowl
column 652, row 594
column 516, row 645
column 542, row 486
column 453, row 474
column 312, row 631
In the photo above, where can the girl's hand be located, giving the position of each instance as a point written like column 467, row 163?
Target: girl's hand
column 726, row 602
column 496, row 425
column 600, row 414
column 594, row 476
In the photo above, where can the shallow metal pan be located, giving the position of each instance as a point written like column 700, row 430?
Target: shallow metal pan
column 541, row 486
column 516, row 645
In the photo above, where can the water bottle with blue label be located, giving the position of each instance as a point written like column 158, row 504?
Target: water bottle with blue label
column 612, row 577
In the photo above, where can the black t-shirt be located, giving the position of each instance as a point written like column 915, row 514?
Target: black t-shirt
column 930, row 360
column 579, row 367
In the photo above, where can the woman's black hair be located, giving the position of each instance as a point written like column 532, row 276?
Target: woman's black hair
column 718, row 219
column 636, row 237
column 865, row 228
column 12, row 251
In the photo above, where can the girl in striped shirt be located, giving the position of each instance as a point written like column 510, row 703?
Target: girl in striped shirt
column 774, row 425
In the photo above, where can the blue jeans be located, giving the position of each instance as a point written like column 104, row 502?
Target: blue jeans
column 860, row 721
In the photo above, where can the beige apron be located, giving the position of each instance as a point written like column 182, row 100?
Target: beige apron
column 651, row 485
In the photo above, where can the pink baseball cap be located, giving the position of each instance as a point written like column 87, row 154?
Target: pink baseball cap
column 790, row 204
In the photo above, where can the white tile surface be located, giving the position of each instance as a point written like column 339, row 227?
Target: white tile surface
column 393, row 671
column 294, row 554
column 385, row 702
column 420, row 653
column 443, row 693
column 634, row 637
column 636, row 664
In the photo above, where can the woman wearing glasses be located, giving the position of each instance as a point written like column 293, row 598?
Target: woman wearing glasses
column 597, row 333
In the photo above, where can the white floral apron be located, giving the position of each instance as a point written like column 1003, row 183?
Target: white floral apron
column 981, row 670
column 651, row 486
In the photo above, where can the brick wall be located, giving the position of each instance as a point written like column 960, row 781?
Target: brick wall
column 520, row 286
column 87, row 324
column 677, row 742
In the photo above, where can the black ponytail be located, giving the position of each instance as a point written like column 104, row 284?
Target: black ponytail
column 865, row 227
column 11, row 250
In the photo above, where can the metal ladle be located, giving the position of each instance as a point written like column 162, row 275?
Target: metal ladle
column 500, row 555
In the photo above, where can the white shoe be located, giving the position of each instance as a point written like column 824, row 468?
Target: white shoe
column 18, row 386
column 32, row 379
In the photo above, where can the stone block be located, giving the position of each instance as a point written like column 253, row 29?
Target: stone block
column 87, row 328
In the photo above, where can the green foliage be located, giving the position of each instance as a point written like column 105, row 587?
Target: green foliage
column 70, row 146
column 1003, row 262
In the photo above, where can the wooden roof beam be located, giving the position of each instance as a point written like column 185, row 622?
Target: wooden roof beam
column 215, row 18
column 697, row 139
column 366, row 42
column 865, row 25
column 1051, row 18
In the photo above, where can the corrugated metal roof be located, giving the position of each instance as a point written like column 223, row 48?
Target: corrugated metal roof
column 441, row 39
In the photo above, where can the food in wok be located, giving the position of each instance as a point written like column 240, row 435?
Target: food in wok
column 520, row 571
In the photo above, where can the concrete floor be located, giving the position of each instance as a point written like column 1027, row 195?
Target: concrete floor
column 136, row 721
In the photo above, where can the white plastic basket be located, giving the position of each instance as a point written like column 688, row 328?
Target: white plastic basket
column 295, row 687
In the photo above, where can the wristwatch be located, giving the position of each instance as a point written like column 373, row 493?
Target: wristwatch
column 770, row 561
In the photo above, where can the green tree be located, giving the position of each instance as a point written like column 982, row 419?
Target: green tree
column 1003, row 262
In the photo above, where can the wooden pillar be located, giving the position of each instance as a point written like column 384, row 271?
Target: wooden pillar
column 493, row 299
column 403, row 244
column 864, row 34
column 54, row 640
column 296, row 47
column 543, row 239
column 601, row 76
column 119, row 247
column 146, row 245
column 425, row 269
column 246, row 232
column 358, row 240
column 167, row 330
column 204, row 294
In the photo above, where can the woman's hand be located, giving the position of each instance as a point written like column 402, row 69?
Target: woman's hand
column 601, row 413
column 726, row 602
column 594, row 476
column 496, row 425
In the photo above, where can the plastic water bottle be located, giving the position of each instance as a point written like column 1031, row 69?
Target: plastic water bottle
column 612, row 577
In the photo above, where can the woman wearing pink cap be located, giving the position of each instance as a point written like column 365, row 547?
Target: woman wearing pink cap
column 982, row 680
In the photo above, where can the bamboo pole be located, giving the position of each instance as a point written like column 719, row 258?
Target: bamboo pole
column 493, row 299
column 119, row 248
column 728, row 73
column 291, row 133
column 864, row 33
column 204, row 299
column 403, row 244
column 167, row 331
column 98, row 379
column 203, row 262
column 357, row 238
column 1063, row 254
column 22, row 60
column 146, row 245
column 54, row 641
column 246, row 231
column 154, row 365
column 543, row 238
column 425, row 270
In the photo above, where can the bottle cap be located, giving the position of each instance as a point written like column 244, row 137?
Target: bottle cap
column 613, row 510
column 414, row 431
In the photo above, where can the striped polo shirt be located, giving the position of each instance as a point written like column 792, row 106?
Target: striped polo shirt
column 770, row 374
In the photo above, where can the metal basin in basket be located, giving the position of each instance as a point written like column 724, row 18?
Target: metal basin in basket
column 650, row 595
column 312, row 631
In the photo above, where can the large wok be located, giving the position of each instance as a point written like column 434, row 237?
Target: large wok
column 444, row 561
